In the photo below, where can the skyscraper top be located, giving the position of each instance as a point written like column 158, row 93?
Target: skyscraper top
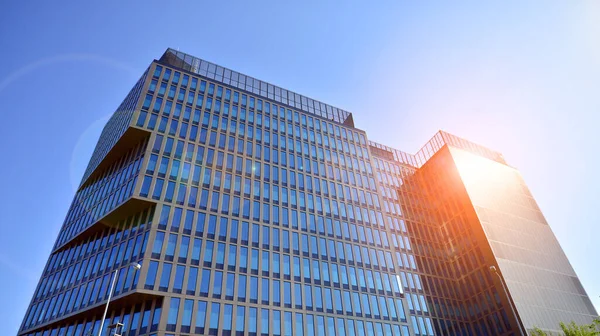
column 226, row 76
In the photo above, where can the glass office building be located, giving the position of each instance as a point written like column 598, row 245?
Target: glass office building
column 256, row 210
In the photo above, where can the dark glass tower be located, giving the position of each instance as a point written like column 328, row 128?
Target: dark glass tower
column 255, row 210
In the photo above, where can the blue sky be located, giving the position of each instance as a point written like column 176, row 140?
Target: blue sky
column 521, row 77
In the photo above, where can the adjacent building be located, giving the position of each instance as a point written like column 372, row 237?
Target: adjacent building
column 254, row 210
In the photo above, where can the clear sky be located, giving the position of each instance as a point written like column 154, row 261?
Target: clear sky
column 521, row 77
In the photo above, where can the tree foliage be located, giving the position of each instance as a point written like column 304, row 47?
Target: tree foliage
column 573, row 329
column 538, row 332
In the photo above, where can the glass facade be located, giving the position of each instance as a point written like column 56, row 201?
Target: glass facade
column 253, row 209
column 451, row 253
column 541, row 281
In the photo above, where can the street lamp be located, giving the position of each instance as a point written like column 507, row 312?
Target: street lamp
column 136, row 267
column 493, row 269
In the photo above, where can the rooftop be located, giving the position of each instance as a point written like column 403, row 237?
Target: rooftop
column 439, row 140
column 235, row 79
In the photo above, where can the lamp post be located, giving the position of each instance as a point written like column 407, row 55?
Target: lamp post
column 136, row 267
column 493, row 269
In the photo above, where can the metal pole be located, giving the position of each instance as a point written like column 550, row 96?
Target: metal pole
column 112, row 286
column 493, row 269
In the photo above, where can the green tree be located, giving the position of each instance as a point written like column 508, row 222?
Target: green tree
column 573, row 329
column 538, row 332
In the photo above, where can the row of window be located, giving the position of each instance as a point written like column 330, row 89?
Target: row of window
column 243, row 288
column 141, row 319
column 208, row 318
column 238, row 185
column 318, row 272
column 91, row 215
column 113, row 176
column 254, row 129
column 227, row 120
column 123, row 231
column 356, row 173
column 225, row 203
column 271, row 212
column 226, row 95
column 214, row 318
column 220, row 159
column 327, row 249
column 98, row 264
column 181, row 170
column 96, row 199
column 244, row 233
column 176, row 219
column 87, row 294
